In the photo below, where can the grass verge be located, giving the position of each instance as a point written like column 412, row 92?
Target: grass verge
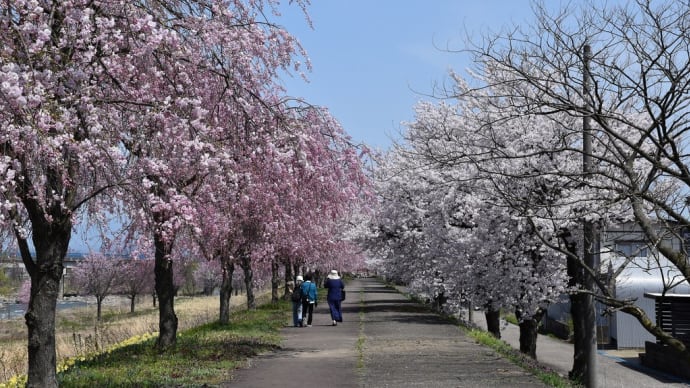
column 204, row 356
column 78, row 334
column 549, row 377
column 361, row 338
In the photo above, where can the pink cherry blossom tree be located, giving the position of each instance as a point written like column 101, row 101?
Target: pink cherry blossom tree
column 99, row 276
column 215, row 243
column 136, row 279
column 112, row 94
column 60, row 149
column 220, row 88
column 289, row 188
column 322, row 183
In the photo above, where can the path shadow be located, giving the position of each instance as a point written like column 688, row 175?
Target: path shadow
column 398, row 311
column 378, row 290
column 665, row 378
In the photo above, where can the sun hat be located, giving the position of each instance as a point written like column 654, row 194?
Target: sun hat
column 333, row 274
column 300, row 278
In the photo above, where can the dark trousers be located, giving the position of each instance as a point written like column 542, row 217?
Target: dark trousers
column 336, row 313
column 307, row 312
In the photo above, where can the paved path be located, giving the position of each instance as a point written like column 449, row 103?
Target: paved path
column 389, row 341
column 385, row 341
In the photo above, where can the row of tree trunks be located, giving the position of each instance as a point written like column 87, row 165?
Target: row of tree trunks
column 275, row 281
column 289, row 276
column 528, row 329
column 228, row 269
column 246, row 264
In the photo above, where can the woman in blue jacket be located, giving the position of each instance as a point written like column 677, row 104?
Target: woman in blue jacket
column 336, row 288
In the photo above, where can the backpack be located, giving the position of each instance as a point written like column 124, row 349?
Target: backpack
column 296, row 295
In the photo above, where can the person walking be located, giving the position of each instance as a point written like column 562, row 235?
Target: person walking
column 336, row 294
column 294, row 288
column 309, row 296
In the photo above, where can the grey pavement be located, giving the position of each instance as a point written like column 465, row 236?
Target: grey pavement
column 386, row 340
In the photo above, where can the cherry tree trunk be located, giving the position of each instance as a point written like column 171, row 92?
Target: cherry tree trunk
column 529, row 333
column 577, row 311
column 289, row 276
column 40, row 322
column 228, row 268
column 246, row 264
column 165, row 292
column 51, row 242
column 575, row 277
column 493, row 321
column 275, row 281
column 99, row 307
column 131, row 303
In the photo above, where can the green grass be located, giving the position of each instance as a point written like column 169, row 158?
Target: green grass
column 203, row 356
column 549, row 377
column 361, row 338
column 511, row 318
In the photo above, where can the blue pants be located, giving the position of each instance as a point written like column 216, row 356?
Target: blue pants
column 336, row 314
column 296, row 313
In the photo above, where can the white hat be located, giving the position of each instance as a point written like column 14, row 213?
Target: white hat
column 300, row 278
column 333, row 274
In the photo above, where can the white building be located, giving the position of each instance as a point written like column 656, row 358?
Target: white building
column 638, row 268
column 633, row 267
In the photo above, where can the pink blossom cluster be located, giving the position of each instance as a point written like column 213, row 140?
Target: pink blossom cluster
column 168, row 114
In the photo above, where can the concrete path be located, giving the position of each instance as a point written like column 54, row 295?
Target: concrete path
column 389, row 341
column 385, row 341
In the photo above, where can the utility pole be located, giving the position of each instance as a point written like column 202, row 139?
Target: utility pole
column 591, row 238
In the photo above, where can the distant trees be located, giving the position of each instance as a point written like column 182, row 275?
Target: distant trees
column 444, row 227
column 99, row 276
column 6, row 286
column 208, row 276
column 135, row 279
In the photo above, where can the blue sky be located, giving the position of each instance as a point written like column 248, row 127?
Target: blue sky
column 373, row 60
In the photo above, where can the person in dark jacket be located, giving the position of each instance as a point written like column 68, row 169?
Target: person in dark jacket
column 335, row 287
column 309, row 297
column 294, row 288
